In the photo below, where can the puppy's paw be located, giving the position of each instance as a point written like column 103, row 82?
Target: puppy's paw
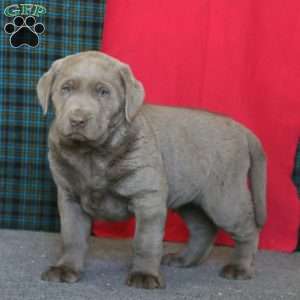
column 237, row 272
column 145, row 281
column 177, row 260
column 61, row 274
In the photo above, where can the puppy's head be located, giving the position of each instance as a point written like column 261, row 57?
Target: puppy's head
column 91, row 92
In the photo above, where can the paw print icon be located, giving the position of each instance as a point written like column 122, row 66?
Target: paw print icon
column 24, row 31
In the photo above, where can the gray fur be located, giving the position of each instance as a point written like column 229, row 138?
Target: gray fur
column 113, row 157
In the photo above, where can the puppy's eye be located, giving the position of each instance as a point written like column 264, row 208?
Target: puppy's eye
column 102, row 91
column 66, row 89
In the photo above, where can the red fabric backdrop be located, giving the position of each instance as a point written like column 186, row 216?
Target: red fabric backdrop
column 240, row 58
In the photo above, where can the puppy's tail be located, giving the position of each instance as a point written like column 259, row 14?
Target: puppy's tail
column 257, row 175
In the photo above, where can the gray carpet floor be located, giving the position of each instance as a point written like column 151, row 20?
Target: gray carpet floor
column 24, row 255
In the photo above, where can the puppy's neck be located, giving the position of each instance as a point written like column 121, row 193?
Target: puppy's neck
column 120, row 138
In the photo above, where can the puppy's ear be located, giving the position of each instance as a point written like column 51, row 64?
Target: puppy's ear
column 134, row 93
column 45, row 84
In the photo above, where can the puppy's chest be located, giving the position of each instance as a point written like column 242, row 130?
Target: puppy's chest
column 95, row 177
column 95, row 182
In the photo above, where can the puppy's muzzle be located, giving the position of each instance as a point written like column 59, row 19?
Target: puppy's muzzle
column 78, row 119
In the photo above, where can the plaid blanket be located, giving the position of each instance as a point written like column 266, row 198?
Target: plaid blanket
column 296, row 174
column 27, row 192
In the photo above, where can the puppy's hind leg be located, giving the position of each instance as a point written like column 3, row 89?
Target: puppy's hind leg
column 241, row 264
column 202, row 234
column 243, row 229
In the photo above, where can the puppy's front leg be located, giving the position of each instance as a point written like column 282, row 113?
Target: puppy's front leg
column 75, row 231
column 150, row 221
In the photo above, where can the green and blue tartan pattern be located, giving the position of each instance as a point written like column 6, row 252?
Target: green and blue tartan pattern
column 27, row 192
column 296, row 173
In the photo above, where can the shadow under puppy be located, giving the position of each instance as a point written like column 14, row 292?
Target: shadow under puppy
column 113, row 157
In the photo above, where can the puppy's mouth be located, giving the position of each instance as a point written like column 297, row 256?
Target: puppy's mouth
column 77, row 136
column 81, row 137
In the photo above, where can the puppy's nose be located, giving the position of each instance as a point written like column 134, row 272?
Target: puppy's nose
column 78, row 119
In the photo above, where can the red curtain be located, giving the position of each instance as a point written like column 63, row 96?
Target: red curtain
column 240, row 58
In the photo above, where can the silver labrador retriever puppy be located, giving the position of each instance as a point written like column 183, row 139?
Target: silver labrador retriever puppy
column 112, row 157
